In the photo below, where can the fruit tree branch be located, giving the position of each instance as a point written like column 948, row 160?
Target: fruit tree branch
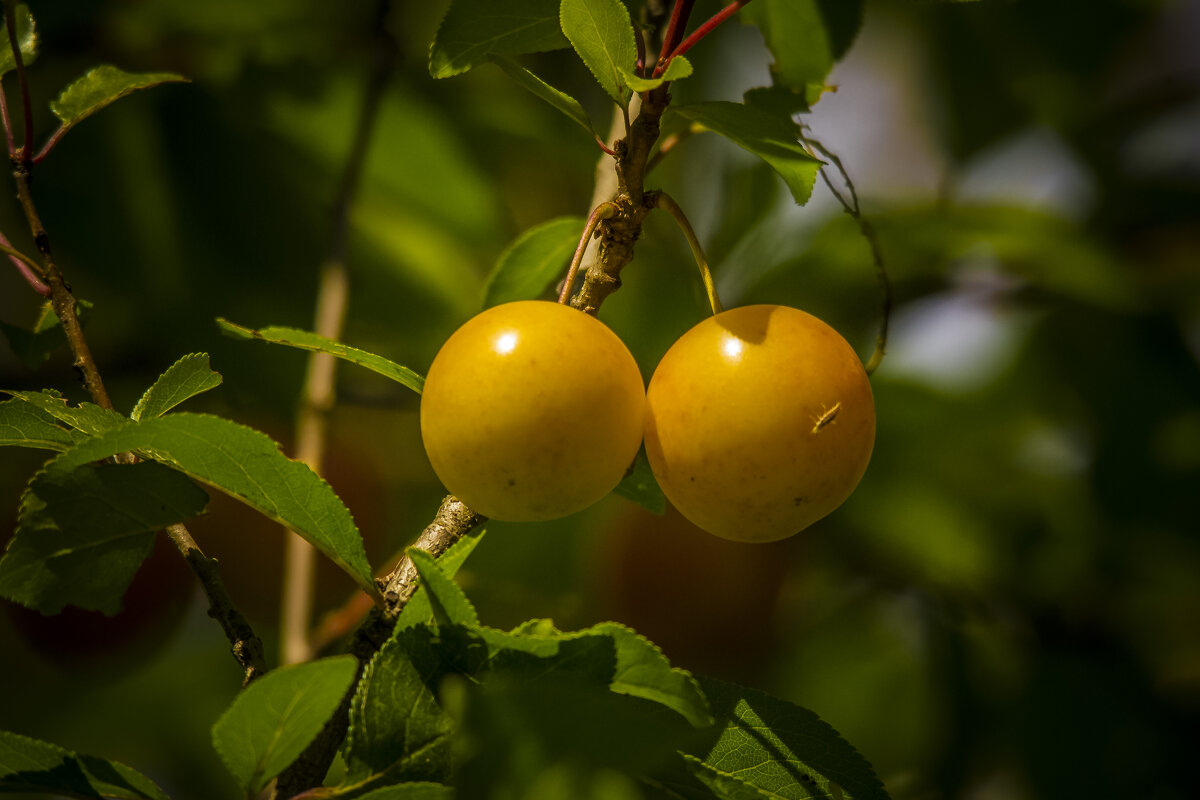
column 247, row 648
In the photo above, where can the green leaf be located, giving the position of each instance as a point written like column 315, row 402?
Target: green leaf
column 602, row 34
column 187, row 377
column 641, row 487
column 248, row 466
column 559, row 99
column 25, row 425
column 27, row 40
column 692, row 779
column 303, row 340
column 679, row 68
column 99, row 87
column 272, row 720
column 533, row 261
column 398, row 731
column 805, row 37
column 419, row 608
column 771, row 138
column 623, row 660
column 86, row 417
column 35, row 345
column 782, row 749
column 83, row 531
column 421, row 790
column 31, row 765
column 449, row 602
column 473, row 30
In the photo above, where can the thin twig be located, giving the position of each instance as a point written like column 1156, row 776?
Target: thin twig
column 246, row 646
column 10, row 21
column 851, row 206
column 50, row 143
column 666, row 203
column 8, row 131
column 600, row 212
column 317, row 399
column 30, row 270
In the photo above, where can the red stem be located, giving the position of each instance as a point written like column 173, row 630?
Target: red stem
column 49, row 145
column 698, row 34
column 679, row 18
column 26, row 104
column 27, row 271
column 8, row 134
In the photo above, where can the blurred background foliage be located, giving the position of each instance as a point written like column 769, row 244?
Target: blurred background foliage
column 1009, row 606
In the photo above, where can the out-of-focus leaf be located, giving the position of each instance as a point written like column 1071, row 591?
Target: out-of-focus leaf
column 785, row 750
column 533, row 261
column 83, row 531
column 805, row 37
column 449, row 603
column 101, row 86
column 34, row 766
column 186, row 378
column 86, row 417
column 304, row 340
column 679, row 68
column 27, row 40
column 35, row 345
column 272, row 720
column 641, row 487
column 25, row 425
column 473, row 30
column 771, row 138
column 602, row 34
column 248, row 466
column 555, row 97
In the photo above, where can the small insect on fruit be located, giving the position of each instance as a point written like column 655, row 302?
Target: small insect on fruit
column 531, row 411
column 760, row 421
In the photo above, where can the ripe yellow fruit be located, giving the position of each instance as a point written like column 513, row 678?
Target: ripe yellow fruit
column 760, row 421
column 531, row 411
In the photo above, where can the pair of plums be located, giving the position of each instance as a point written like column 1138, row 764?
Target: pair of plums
column 757, row 422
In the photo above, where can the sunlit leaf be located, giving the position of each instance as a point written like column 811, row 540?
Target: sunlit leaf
column 272, row 720
column 27, row 40
column 602, row 34
column 304, row 340
column 473, row 30
column 84, row 530
column 771, row 138
column 248, row 466
column 449, row 603
column 533, row 261
column 186, row 378
column 101, row 86
column 561, row 100
column 33, row 766
column 679, row 68
column 419, row 790
column 419, row 608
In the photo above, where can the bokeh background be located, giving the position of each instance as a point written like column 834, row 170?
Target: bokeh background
column 1008, row 607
